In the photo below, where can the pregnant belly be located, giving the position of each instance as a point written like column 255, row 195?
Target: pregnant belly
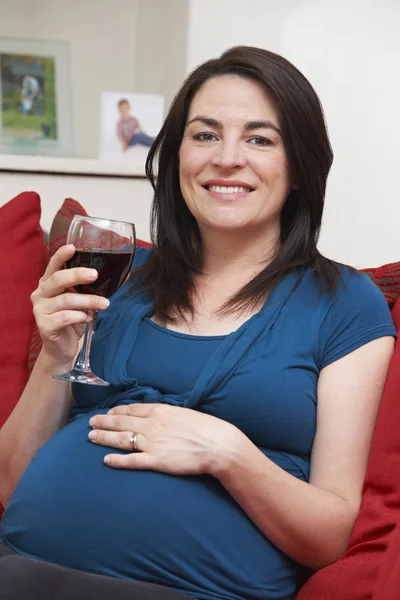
column 185, row 532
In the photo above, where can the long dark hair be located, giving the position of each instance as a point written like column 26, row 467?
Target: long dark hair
column 168, row 277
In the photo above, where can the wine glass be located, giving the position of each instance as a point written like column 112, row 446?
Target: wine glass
column 109, row 247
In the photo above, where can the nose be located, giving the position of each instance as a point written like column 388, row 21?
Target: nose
column 229, row 154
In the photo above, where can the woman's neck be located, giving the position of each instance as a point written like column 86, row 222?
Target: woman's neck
column 244, row 255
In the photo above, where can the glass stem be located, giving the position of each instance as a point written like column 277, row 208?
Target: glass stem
column 83, row 364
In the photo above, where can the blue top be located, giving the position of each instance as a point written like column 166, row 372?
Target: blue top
column 187, row 532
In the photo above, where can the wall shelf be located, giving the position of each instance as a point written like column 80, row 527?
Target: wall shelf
column 84, row 167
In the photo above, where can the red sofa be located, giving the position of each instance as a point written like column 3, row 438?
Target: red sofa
column 388, row 585
column 356, row 576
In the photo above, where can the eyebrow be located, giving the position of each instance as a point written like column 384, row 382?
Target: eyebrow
column 248, row 126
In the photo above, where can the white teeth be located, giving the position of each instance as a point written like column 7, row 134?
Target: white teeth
column 221, row 189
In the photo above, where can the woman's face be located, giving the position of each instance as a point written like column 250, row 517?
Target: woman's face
column 233, row 166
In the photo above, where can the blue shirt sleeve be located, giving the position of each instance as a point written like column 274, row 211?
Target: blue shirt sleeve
column 141, row 255
column 358, row 314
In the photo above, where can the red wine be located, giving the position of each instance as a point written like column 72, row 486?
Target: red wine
column 112, row 267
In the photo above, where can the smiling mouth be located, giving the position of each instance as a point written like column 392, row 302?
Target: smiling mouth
column 232, row 189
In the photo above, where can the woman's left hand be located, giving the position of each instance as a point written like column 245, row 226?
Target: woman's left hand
column 171, row 439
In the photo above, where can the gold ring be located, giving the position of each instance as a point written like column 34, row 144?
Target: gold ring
column 133, row 441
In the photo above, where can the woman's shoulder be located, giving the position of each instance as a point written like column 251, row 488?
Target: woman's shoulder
column 355, row 286
column 141, row 256
column 353, row 296
column 349, row 284
column 355, row 313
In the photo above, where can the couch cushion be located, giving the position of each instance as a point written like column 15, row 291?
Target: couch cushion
column 23, row 258
column 388, row 584
column 61, row 222
column 354, row 576
column 387, row 278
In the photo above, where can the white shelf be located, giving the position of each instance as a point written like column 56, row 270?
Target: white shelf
column 69, row 166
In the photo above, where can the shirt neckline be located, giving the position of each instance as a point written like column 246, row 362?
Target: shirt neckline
column 187, row 336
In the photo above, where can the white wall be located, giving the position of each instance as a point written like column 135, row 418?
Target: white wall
column 127, row 199
column 350, row 51
column 101, row 36
column 161, row 42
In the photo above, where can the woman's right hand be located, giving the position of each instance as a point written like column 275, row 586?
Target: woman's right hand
column 59, row 312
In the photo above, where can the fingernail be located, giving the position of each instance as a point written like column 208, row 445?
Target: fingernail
column 107, row 460
column 93, row 435
column 93, row 422
column 92, row 273
column 69, row 247
column 104, row 302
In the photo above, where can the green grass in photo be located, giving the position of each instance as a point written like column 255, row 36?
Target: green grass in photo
column 13, row 118
column 14, row 122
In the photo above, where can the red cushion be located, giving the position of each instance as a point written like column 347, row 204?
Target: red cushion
column 61, row 223
column 23, row 259
column 143, row 244
column 388, row 584
column 387, row 278
column 354, row 576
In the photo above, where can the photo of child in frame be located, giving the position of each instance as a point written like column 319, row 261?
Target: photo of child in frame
column 129, row 131
column 129, row 123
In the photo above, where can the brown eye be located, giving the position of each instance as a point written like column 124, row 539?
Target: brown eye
column 260, row 141
column 204, row 137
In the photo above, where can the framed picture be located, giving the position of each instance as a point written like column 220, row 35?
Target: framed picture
column 35, row 93
column 129, row 123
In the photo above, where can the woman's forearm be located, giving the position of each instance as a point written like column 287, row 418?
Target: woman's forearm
column 40, row 412
column 309, row 524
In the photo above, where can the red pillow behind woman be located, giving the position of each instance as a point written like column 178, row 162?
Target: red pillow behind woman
column 355, row 575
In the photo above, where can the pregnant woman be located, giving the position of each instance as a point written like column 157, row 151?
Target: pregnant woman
column 226, row 459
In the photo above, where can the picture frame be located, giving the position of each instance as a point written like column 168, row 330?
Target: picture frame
column 35, row 98
column 129, row 123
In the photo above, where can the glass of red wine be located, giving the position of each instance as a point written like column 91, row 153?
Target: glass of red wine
column 109, row 247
